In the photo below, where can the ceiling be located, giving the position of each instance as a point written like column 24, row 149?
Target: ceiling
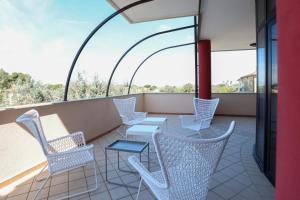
column 157, row 9
column 229, row 24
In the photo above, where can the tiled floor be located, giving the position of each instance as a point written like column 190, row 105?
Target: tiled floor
column 237, row 176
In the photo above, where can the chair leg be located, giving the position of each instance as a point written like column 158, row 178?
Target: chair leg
column 140, row 186
column 122, row 132
column 87, row 191
column 95, row 173
column 35, row 196
column 42, row 170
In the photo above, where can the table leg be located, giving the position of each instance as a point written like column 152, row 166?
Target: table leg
column 148, row 158
column 118, row 160
column 106, row 164
column 166, row 124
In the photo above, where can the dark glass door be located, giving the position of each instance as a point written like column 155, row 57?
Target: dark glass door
column 272, row 101
column 261, row 98
column 266, row 115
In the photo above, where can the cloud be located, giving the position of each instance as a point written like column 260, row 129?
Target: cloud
column 74, row 22
column 48, row 62
column 18, row 11
column 25, row 48
column 189, row 38
column 164, row 27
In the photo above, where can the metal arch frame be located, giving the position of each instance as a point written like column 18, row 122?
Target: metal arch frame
column 156, row 52
column 196, row 35
column 91, row 35
column 140, row 41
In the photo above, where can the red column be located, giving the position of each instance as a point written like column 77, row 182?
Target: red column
column 288, row 134
column 204, row 86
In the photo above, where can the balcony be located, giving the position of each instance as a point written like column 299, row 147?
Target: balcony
column 237, row 175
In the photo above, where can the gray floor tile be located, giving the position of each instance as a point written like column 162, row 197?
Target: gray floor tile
column 237, row 176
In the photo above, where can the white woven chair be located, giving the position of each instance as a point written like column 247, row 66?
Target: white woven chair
column 64, row 153
column 186, row 166
column 126, row 110
column 204, row 112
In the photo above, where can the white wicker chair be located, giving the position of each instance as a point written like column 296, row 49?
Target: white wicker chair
column 64, row 153
column 126, row 110
column 204, row 112
column 186, row 166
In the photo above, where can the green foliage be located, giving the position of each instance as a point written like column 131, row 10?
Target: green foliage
column 98, row 87
column 79, row 88
column 226, row 87
column 82, row 89
column 9, row 80
column 4, row 80
column 188, row 88
column 169, row 89
column 19, row 88
column 55, row 86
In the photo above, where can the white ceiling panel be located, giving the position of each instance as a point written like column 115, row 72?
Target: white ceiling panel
column 157, row 9
column 229, row 24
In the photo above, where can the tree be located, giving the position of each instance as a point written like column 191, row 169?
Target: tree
column 79, row 87
column 97, row 88
column 169, row 89
column 19, row 88
column 8, row 80
column 4, row 80
column 19, row 77
column 188, row 88
column 226, row 87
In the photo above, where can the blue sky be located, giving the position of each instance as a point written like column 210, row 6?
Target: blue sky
column 41, row 37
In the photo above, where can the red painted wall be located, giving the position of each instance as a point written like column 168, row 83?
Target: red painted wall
column 288, row 135
column 204, row 49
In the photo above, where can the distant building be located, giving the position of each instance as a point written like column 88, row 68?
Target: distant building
column 247, row 83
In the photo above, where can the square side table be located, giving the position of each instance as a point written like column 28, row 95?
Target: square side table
column 126, row 146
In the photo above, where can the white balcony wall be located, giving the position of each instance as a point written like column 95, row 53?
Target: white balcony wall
column 239, row 104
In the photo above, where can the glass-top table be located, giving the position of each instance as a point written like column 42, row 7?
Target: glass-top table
column 126, row 146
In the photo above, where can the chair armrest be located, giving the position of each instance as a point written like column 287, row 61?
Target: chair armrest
column 89, row 147
column 125, row 119
column 70, row 156
column 68, row 142
column 135, row 116
column 140, row 115
column 144, row 173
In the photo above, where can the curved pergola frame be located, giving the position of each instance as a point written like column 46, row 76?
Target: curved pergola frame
column 148, row 57
column 137, row 43
column 91, row 35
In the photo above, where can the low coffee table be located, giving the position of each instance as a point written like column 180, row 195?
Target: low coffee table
column 162, row 122
column 142, row 130
column 126, row 146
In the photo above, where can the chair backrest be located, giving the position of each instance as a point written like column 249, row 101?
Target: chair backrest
column 125, row 107
column 187, row 164
column 32, row 121
column 205, row 108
